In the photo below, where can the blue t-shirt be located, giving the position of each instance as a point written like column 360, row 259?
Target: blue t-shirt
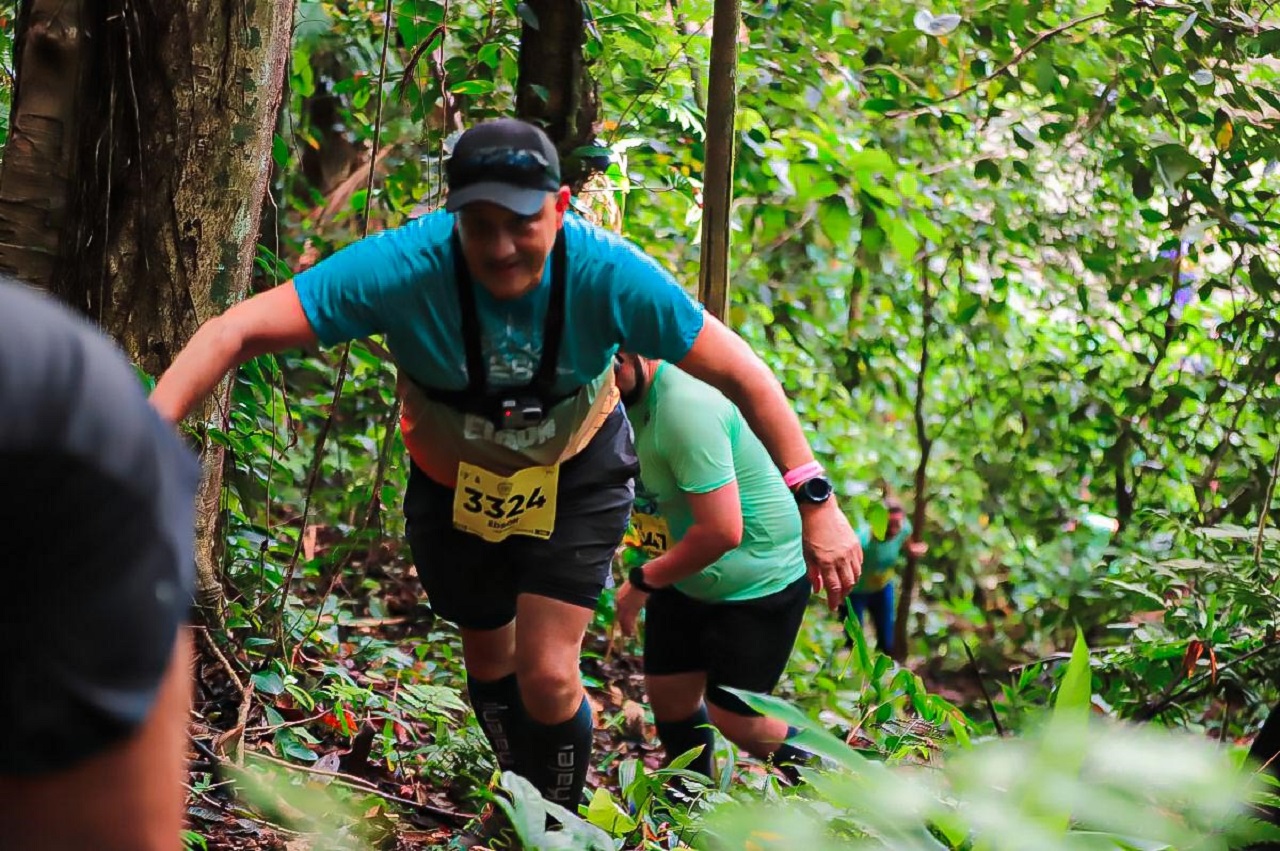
column 401, row 283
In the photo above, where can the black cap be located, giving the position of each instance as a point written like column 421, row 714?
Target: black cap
column 507, row 162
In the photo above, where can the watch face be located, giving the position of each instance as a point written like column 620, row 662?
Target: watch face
column 817, row 489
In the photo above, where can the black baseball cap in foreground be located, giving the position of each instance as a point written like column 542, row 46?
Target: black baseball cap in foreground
column 507, row 162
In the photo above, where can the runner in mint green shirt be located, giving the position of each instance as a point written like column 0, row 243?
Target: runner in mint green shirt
column 727, row 572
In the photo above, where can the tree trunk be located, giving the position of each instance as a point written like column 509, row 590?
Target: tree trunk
column 49, row 58
column 556, row 89
column 135, row 171
column 717, row 161
column 901, row 628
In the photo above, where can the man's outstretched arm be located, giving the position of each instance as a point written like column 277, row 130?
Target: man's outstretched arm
column 272, row 321
column 724, row 360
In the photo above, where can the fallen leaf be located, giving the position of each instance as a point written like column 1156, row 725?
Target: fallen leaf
column 633, row 718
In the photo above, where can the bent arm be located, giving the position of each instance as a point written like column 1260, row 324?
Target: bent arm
column 716, row 529
column 269, row 322
column 724, row 360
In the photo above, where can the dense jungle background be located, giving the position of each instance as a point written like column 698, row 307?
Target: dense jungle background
column 1015, row 261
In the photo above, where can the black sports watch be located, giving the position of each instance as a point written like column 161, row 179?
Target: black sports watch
column 814, row 491
column 636, row 578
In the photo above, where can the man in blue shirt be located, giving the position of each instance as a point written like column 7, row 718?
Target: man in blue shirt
column 503, row 312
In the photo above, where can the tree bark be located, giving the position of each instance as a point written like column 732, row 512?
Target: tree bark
column 49, row 53
column 717, row 171
column 556, row 89
column 134, row 176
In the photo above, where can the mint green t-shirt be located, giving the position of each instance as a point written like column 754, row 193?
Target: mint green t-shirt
column 691, row 439
column 879, row 558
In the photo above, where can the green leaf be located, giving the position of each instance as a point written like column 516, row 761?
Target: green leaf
column 880, row 105
column 873, row 161
column 904, row 242
column 813, row 737
column 836, row 221
column 604, row 812
column 289, row 745
column 279, row 151
column 472, row 87
column 926, row 228
column 1075, row 690
column 853, row 628
column 1045, row 75
column 970, row 304
column 268, row 682
column 987, row 169
column 1175, row 163
column 488, row 55
column 527, row 15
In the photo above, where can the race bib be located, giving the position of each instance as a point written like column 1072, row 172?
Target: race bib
column 493, row 507
column 650, row 533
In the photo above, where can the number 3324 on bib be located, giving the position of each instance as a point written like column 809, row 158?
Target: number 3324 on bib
column 494, row 507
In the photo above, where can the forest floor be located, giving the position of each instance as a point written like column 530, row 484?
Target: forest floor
column 233, row 724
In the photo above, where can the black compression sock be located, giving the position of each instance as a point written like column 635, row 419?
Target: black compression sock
column 682, row 736
column 501, row 715
column 558, row 757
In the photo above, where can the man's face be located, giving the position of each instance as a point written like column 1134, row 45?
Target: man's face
column 505, row 251
column 894, row 526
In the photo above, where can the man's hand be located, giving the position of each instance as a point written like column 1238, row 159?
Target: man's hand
column 916, row 549
column 831, row 551
column 628, row 603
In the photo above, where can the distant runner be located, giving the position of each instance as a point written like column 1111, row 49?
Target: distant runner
column 874, row 591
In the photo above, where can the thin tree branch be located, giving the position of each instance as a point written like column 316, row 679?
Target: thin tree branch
column 986, row 695
column 1266, row 509
column 353, row 782
column 323, row 437
column 1151, row 710
column 1017, row 57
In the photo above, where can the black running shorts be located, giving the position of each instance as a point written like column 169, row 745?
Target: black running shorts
column 97, row 505
column 743, row 644
column 475, row 583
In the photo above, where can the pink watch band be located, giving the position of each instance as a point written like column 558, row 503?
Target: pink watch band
column 803, row 473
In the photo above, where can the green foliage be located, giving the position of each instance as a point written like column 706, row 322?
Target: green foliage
column 1032, row 239
column 1067, row 205
column 1119, row 788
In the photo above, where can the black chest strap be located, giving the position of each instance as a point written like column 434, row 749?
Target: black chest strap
column 478, row 398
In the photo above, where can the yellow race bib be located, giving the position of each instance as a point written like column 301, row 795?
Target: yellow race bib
column 650, row 533
column 493, row 507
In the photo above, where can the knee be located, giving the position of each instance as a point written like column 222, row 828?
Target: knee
column 672, row 705
column 551, row 693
